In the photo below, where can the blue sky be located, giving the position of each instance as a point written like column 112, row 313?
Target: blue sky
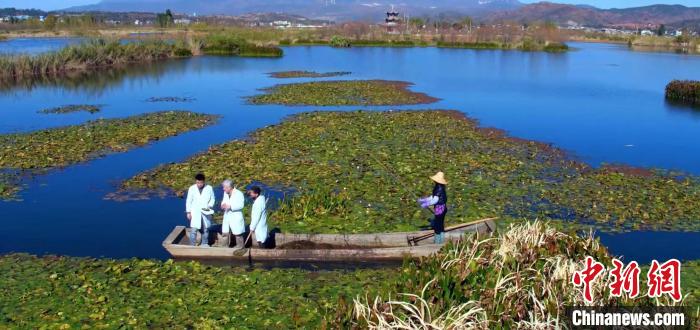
column 624, row 3
column 59, row 4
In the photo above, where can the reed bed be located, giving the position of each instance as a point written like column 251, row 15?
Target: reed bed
column 520, row 278
column 231, row 44
column 93, row 54
column 684, row 91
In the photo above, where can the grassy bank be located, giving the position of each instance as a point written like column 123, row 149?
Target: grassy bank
column 362, row 171
column 59, row 147
column 523, row 45
column 684, row 91
column 59, row 292
column 346, row 92
column 520, row 279
column 306, row 74
column 91, row 55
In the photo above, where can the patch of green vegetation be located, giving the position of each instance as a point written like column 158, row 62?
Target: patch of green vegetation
column 90, row 108
column 307, row 74
column 339, row 42
column 362, row 171
column 384, row 43
column 556, row 47
column 472, row 45
column 174, row 99
column 9, row 185
column 61, row 292
column 684, row 91
column 690, row 283
column 343, row 92
column 230, row 44
column 94, row 54
column 517, row 279
column 58, row 147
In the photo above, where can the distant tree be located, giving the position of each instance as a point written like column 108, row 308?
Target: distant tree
column 165, row 19
column 50, row 22
column 416, row 22
column 661, row 31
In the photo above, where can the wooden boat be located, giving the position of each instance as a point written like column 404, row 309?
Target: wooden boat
column 329, row 247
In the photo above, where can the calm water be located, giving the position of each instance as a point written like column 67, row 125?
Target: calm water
column 602, row 102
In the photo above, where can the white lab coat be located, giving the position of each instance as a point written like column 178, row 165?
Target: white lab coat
column 197, row 201
column 258, row 219
column 233, row 217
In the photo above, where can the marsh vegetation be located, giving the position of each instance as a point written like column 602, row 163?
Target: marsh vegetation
column 336, row 162
column 684, row 91
column 343, row 92
column 59, row 147
column 89, row 108
column 307, row 74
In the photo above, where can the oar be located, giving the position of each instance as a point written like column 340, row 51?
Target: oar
column 415, row 240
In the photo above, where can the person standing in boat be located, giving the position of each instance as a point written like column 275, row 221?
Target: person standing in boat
column 438, row 200
column 232, row 205
column 199, row 208
column 258, row 216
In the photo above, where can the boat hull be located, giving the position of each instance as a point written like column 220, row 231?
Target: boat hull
column 351, row 247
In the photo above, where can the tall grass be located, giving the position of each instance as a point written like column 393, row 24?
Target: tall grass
column 518, row 279
column 93, row 54
column 685, row 91
column 232, row 44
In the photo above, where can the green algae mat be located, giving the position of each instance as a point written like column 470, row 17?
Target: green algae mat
column 70, row 293
column 342, row 92
column 357, row 172
column 60, row 147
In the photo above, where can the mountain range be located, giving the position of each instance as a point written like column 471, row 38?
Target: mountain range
column 373, row 10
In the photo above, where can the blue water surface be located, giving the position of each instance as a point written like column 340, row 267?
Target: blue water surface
column 601, row 102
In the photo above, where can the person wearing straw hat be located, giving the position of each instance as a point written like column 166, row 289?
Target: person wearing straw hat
column 438, row 200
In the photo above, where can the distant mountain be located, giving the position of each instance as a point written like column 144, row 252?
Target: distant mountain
column 372, row 10
column 595, row 17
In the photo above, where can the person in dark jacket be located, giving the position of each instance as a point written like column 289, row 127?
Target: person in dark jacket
column 438, row 200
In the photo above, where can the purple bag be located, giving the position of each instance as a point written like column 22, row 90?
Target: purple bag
column 440, row 209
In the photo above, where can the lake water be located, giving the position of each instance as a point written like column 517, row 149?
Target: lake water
column 603, row 103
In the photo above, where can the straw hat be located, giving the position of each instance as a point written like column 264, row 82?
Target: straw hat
column 439, row 177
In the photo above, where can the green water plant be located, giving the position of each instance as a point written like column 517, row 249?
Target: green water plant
column 684, row 91
column 362, row 172
column 231, row 44
column 90, row 108
column 342, row 92
column 94, row 54
column 63, row 146
column 63, row 292
column 307, row 74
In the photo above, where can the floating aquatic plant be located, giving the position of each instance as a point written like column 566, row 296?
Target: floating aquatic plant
column 63, row 292
column 343, row 92
column 58, row 147
column 173, row 99
column 307, row 74
column 90, row 108
column 362, row 171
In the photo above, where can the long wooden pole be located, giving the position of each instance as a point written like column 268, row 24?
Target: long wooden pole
column 416, row 239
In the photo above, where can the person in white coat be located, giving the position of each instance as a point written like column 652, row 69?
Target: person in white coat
column 199, row 209
column 258, row 216
column 232, row 205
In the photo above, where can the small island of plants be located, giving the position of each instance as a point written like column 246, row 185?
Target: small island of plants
column 59, row 147
column 71, row 108
column 343, row 92
column 346, row 171
column 307, row 74
column 684, row 91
